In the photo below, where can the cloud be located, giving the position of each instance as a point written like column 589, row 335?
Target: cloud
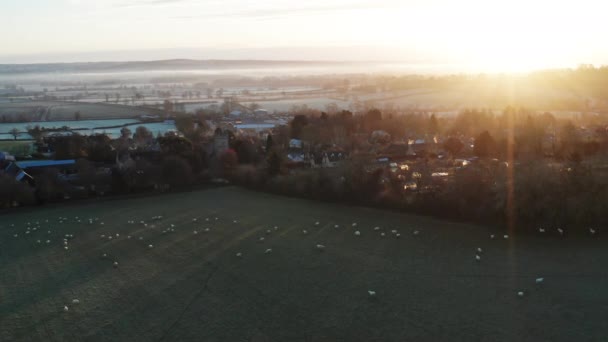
column 146, row 3
column 275, row 12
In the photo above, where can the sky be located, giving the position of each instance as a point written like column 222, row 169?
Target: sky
column 493, row 35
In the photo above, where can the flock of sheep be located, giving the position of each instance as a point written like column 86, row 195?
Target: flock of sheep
column 36, row 228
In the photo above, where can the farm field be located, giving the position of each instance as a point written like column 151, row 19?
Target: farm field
column 190, row 285
column 57, row 110
column 17, row 148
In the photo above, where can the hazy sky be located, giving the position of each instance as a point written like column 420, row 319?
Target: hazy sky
column 508, row 35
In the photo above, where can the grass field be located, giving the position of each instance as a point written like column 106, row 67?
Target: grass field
column 193, row 287
column 58, row 110
column 17, row 148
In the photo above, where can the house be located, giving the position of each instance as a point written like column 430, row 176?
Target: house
column 23, row 170
column 397, row 152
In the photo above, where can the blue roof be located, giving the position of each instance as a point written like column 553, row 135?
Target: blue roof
column 43, row 163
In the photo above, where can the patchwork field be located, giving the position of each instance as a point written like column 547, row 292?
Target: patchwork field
column 180, row 278
column 57, row 110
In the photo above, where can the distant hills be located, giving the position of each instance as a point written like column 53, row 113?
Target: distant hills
column 170, row 64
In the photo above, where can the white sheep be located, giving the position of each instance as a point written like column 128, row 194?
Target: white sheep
column 357, row 233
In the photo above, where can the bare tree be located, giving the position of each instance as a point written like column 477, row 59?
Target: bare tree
column 15, row 132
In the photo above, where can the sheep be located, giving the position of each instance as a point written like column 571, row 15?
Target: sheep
column 479, row 250
column 477, row 257
column 354, row 224
column 317, row 223
column 505, row 236
column 65, row 308
column 592, row 231
column 239, row 254
column 195, row 232
column 276, row 227
column 115, row 264
column 269, row 250
column 320, row 247
column 376, row 229
column 336, row 226
column 357, row 233
column 382, row 234
column 371, row 293
column 539, row 280
column 150, row 246
column 492, row 236
column 75, row 301
column 261, row 239
column 397, row 235
column 304, row 232
column 416, row 232
column 520, row 293
column 541, row 230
